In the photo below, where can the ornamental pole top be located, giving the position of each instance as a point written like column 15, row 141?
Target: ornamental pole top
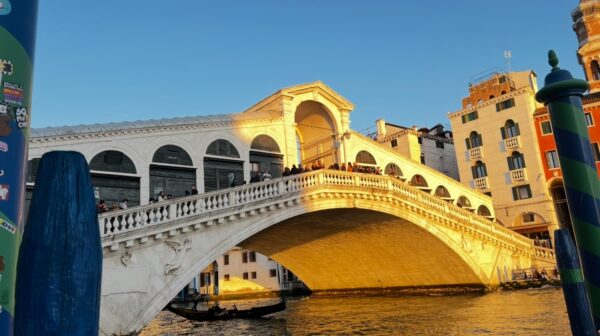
column 553, row 60
column 559, row 83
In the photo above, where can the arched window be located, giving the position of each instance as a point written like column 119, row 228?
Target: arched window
column 503, row 92
column 112, row 161
column 222, row 147
column 172, row 155
column 392, row 169
column 114, row 188
column 492, row 97
column 516, row 161
column 474, row 140
column 510, row 129
column 418, row 181
column 484, row 211
column 365, row 158
column 463, row 202
column 265, row 143
column 479, row 170
column 442, row 192
column 595, row 70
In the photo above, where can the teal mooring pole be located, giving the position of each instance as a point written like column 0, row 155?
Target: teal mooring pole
column 17, row 43
column 562, row 95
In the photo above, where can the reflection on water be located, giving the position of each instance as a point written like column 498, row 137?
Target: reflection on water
column 525, row 312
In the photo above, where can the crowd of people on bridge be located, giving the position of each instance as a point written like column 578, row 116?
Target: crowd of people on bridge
column 317, row 165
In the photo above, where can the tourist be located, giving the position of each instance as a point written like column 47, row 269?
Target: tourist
column 102, row 207
column 114, row 206
column 336, row 166
column 307, row 169
column 286, row 172
column 161, row 196
column 266, row 176
column 194, row 190
column 300, row 169
column 294, row 170
column 123, row 204
column 350, row 169
column 343, row 167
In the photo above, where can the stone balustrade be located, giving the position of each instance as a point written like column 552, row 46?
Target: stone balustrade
column 518, row 175
column 511, row 143
column 544, row 253
column 476, row 153
column 219, row 206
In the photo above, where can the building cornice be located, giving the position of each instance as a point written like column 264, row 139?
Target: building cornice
column 493, row 101
column 152, row 130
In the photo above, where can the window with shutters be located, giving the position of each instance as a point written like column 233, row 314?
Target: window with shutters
column 552, row 159
column 252, row 256
column 479, row 170
column 245, row 275
column 510, row 129
column 245, row 257
column 226, row 259
column 505, row 104
column 474, row 140
column 394, row 143
column 521, row 192
column 589, row 121
column 516, row 161
column 469, row 117
column 546, row 127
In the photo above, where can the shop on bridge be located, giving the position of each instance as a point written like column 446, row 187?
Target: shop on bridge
column 115, row 178
column 171, row 171
column 265, row 155
column 223, row 167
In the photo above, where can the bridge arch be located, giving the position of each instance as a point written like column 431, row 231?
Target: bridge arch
column 364, row 160
column 443, row 193
column 317, row 131
column 442, row 256
column 464, row 203
column 419, row 182
column 484, row 211
column 394, row 170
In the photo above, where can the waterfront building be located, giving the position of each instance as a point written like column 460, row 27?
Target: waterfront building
column 432, row 147
column 498, row 153
column 586, row 25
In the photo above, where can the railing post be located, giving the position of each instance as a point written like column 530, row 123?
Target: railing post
column 320, row 178
column 172, row 211
column 357, row 180
column 232, row 199
column 281, row 187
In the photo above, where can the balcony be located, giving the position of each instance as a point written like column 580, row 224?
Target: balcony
column 481, row 183
column 476, row 153
column 518, row 175
column 514, row 142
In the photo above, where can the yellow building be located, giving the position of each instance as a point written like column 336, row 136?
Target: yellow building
column 497, row 152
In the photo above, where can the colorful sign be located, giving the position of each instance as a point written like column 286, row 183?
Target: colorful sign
column 17, row 38
column 13, row 93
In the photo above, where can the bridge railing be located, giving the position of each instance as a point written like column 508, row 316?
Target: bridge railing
column 121, row 221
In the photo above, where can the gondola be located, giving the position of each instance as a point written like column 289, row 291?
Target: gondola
column 216, row 313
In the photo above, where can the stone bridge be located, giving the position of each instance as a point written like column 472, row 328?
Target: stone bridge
column 335, row 230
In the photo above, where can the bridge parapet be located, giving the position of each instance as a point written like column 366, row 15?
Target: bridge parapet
column 122, row 228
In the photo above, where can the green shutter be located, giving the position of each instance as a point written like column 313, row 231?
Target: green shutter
column 503, row 132
column 468, row 143
column 517, row 129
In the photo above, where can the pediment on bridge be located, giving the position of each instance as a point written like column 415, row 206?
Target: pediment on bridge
column 275, row 103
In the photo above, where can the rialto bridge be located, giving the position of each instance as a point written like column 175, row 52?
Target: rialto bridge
column 335, row 230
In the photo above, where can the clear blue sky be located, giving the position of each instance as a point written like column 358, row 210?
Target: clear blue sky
column 408, row 62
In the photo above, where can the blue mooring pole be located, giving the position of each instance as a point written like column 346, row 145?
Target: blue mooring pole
column 562, row 95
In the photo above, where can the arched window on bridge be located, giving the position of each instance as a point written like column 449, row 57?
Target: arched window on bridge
column 419, row 182
column 171, row 171
column 484, row 211
column 365, row 161
column 443, row 193
column 222, row 166
column 115, row 178
column 265, row 155
column 392, row 169
column 464, row 203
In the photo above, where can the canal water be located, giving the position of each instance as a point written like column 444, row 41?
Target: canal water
column 524, row 312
